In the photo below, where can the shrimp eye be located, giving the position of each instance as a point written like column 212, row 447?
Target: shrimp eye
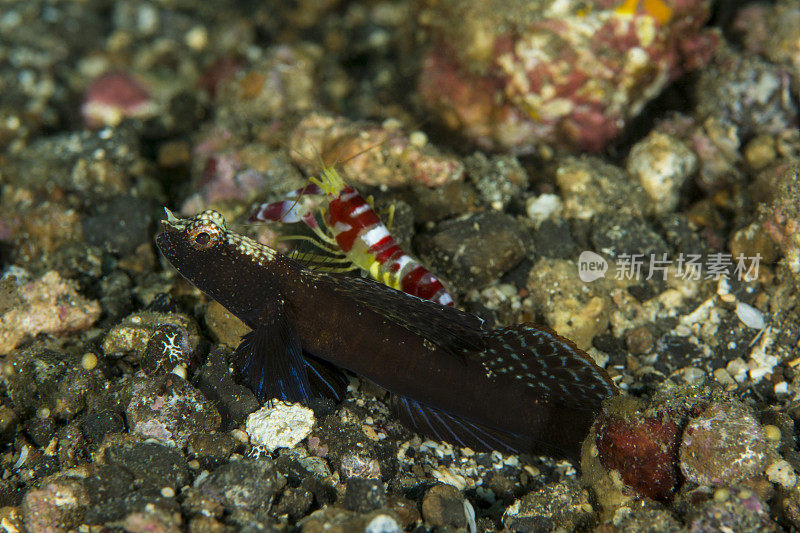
column 203, row 237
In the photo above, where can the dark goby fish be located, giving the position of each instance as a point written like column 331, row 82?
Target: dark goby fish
column 516, row 389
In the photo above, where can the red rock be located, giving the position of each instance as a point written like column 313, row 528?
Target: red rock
column 219, row 72
column 113, row 97
column 644, row 451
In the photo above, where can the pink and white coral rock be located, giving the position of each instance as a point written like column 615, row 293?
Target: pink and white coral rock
column 559, row 72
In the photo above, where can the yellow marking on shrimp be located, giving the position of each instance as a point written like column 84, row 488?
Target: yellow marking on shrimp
column 659, row 10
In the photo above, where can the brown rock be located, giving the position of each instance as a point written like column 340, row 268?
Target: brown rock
column 443, row 505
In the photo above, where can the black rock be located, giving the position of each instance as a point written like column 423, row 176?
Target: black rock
column 324, row 492
column 39, row 465
column 162, row 303
column 39, row 377
column 245, row 485
column 107, row 482
column 153, row 463
column 211, row 449
column 40, row 430
column 114, row 290
column 618, row 235
column 611, row 345
column 116, row 508
column 676, row 352
column 680, row 234
column 95, row 425
column 364, row 495
column 473, row 251
column 10, row 494
column 354, row 454
column 292, row 470
column 233, row 401
column 553, row 239
column 294, row 502
column 8, row 424
column 119, row 224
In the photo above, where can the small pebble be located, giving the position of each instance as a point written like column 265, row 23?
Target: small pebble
column 750, row 316
column 279, row 425
column 782, row 473
column 89, row 361
column 737, row 368
column 723, row 378
column 772, row 433
column 196, row 38
column 760, row 152
column 383, row 524
column 418, row 138
column 662, row 163
column 180, row 371
column 540, row 208
column 240, row 435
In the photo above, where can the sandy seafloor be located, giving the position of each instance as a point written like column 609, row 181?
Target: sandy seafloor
column 522, row 149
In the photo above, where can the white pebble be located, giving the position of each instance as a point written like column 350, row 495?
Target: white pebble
column 279, row 425
column 382, row 524
column 240, row 435
column 180, row 371
column 781, row 472
column 196, row 38
column 418, row 138
column 661, row 163
column 542, row 207
column 737, row 368
column 750, row 316
column 693, row 375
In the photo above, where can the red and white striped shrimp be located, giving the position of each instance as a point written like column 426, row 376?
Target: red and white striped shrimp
column 351, row 226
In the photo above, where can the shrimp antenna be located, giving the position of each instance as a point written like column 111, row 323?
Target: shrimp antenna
column 325, row 168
